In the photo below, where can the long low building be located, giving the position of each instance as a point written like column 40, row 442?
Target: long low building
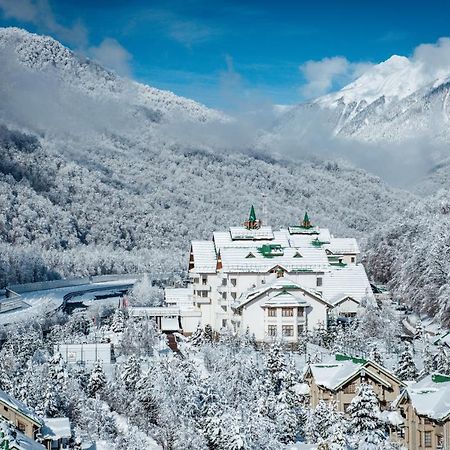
column 275, row 283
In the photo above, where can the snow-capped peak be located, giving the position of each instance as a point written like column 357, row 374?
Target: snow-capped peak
column 395, row 78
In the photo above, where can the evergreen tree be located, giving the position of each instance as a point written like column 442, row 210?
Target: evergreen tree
column 365, row 424
column 376, row 356
column 406, row 369
column 320, row 421
column 276, row 366
column 196, row 338
column 428, row 360
column 131, row 373
column 208, row 334
column 97, row 380
column 118, row 321
column 442, row 361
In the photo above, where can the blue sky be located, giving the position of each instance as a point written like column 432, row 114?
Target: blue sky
column 264, row 50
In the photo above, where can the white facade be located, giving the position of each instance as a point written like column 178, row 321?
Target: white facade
column 313, row 270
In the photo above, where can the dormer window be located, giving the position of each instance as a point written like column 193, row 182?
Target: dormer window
column 298, row 255
column 250, row 255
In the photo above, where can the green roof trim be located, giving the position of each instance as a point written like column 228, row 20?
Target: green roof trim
column 338, row 264
column 317, row 243
column 271, row 250
column 302, row 270
column 341, row 357
column 438, row 378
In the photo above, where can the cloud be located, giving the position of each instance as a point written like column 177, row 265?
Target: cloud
column 433, row 59
column 329, row 73
column 40, row 13
column 113, row 55
column 188, row 33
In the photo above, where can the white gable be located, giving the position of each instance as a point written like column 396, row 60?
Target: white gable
column 205, row 260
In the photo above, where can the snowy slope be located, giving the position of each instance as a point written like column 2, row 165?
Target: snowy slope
column 45, row 55
column 394, row 101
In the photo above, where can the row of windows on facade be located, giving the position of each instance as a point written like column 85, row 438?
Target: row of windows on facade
column 286, row 330
column 233, row 281
column 285, row 312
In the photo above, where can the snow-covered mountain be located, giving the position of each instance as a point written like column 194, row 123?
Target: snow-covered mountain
column 42, row 58
column 394, row 101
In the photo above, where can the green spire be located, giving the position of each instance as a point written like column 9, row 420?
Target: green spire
column 252, row 217
column 306, row 222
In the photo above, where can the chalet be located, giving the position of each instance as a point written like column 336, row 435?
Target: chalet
column 56, row 433
column 19, row 415
column 276, row 283
column 425, row 407
column 339, row 381
column 12, row 439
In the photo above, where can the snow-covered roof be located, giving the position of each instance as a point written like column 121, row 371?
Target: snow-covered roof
column 349, row 281
column 181, row 297
column 285, row 298
column 223, row 239
column 56, row 428
column 298, row 236
column 292, row 259
column 331, row 375
column 19, row 407
column 257, row 233
column 431, row 396
column 205, row 260
column 343, row 246
column 278, row 285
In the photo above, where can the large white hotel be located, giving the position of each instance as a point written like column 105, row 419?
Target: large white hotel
column 273, row 283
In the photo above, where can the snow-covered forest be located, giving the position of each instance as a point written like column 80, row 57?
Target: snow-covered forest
column 125, row 190
column 216, row 392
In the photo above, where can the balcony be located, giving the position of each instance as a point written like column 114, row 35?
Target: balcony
column 201, row 287
column 201, row 300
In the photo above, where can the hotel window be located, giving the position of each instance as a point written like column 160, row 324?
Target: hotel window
column 224, row 323
column 301, row 312
column 21, row 426
column 353, row 259
column 204, row 293
column 272, row 330
column 233, row 295
column 204, row 281
column 233, row 281
column 224, row 295
column 319, row 282
column 6, row 408
column 350, row 389
column 287, row 312
column 272, row 312
column 300, row 329
column 427, row 440
column 288, row 330
column 224, row 281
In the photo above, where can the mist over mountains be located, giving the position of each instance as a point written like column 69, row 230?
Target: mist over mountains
column 101, row 174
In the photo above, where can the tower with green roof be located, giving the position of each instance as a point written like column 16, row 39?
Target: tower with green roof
column 306, row 222
column 252, row 223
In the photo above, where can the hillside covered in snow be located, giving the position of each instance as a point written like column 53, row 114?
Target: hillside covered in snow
column 100, row 174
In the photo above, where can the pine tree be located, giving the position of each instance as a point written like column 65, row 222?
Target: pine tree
column 208, row 334
column 276, row 366
column 51, row 401
column 364, row 412
column 406, row 368
column 428, row 360
column 338, row 439
column 442, row 361
column 320, row 422
column 131, row 373
column 97, row 380
column 286, row 418
column 376, row 356
column 118, row 321
column 196, row 338
column 420, row 332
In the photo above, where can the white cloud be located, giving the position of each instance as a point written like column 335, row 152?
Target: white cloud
column 40, row 13
column 113, row 56
column 329, row 73
column 434, row 59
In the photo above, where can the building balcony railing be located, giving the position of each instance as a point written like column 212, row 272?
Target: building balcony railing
column 201, row 287
column 201, row 300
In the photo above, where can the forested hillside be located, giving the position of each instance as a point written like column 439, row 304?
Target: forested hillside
column 99, row 174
